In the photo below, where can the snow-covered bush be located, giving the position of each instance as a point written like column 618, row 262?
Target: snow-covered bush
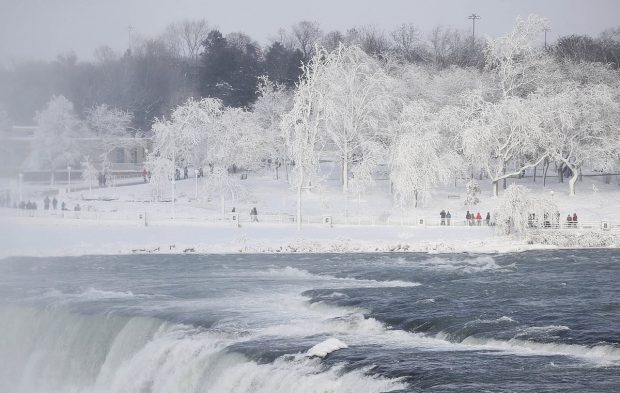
column 89, row 172
column 473, row 189
column 518, row 209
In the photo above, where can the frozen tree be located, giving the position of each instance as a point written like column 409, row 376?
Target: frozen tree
column 408, row 43
column 89, row 172
column 220, row 183
column 501, row 132
column 517, row 60
column 110, row 127
column 175, row 140
column 302, row 125
column 419, row 161
column 581, row 124
column 516, row 208
column 54, row 143
column 272, row 103
column 356, row 99
column 473, row 190
column 161, row 172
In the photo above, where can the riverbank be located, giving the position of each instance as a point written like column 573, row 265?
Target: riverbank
column 28, row 236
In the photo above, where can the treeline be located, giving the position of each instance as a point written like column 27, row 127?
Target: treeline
column 191, row 59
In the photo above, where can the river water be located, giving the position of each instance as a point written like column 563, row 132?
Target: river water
column 535, row 321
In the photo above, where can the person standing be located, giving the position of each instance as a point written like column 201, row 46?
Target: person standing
column 443, row 217
column 488, row 219
column 46, row 203
column 478, row 219
column 254, row 214
column 448, row 217
column 569, row 221
column 575, row 220
column 54, row 203
column 468, row 218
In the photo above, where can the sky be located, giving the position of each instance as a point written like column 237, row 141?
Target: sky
column 42, row 29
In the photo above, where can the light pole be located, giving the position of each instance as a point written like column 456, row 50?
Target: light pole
column 69, row 177
column 21, row 180
column 196, row 184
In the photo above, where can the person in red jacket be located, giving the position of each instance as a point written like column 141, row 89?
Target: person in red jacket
column 478, row 218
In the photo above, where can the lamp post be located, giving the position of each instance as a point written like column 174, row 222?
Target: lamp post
column 21, row 180
column 69, row 177
column 196, row 184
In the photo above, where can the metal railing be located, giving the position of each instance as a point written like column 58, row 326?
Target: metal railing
column 88, row 212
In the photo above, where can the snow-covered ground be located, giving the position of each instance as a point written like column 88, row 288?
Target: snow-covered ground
column 108, row 221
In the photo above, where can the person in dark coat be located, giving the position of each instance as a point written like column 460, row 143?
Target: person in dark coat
column 54, row 203
column 46, row 203
column 575, row 220
column 569, row 221
column 488, row 219
column 443, row 217
column 254, row 215
column 468, row 218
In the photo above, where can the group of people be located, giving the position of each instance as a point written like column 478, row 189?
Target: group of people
column 476, row 218
column 471, row 219
column 571, row 221
column 48, row 204
column 253, row 214
column 102, row 179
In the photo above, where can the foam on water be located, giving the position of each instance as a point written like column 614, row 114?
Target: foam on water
column 463, row 266
column 346, row 282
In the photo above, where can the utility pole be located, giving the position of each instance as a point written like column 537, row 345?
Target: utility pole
column 129, row 30
column 473, row 18
column 546, row 29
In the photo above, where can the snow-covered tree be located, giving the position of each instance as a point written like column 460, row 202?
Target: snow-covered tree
column 473, row 190
column 111, row 128
column 419, row 159
column 175, row 140
column 499, row 133
column 89, row 172
column 517, row 60
column 54, row 144
column 303, row 124
column 582, row 127
column 272, row 103
column 356, row 99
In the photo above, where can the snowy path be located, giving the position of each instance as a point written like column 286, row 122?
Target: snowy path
column 50, row 236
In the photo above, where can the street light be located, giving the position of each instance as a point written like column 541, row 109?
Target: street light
column 69, row 177
column 196, row 188
column 21, row 180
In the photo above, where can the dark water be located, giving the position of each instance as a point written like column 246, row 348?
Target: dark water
column 536, row 321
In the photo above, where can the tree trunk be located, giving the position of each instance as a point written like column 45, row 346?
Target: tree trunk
column 345, row 168
column 561, row 173
column 298, row 215
column 503, row 173
column 535, row 168
column 545, row 169
column 415, row 195
column 571, row 183
column 495, row 188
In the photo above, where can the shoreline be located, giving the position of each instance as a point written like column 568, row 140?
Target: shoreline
column 32, row 237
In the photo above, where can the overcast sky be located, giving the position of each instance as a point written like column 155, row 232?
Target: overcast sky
column 41, row 29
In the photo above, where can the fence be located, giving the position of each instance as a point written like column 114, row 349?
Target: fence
column 159, row 216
